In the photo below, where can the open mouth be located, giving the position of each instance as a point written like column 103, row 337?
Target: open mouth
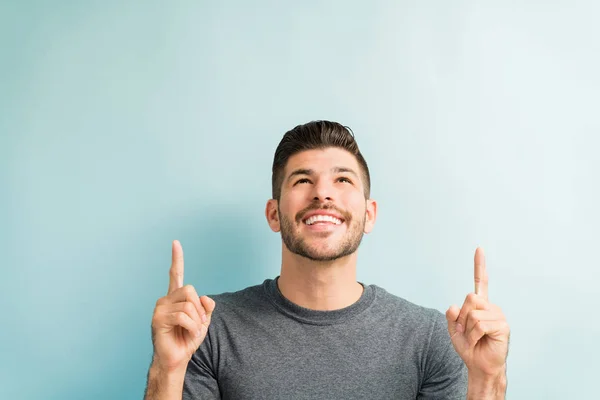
column 316, row 220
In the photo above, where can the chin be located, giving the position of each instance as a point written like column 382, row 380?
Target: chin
column 324, row 255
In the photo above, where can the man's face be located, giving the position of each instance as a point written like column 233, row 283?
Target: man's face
column 322, row 210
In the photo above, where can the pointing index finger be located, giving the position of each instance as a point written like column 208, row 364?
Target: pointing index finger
column 176, row 271
column 481, row 277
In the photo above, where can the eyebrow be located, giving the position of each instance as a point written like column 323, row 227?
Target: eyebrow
column 336, row 170
column 343, row 170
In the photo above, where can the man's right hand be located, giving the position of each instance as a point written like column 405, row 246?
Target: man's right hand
column 180, row 320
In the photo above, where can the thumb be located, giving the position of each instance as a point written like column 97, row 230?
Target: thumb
column 208, row 304
column 451, row 316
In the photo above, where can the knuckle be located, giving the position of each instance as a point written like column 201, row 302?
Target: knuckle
column 174, row 273
column 479, row 328
column 473, row 315
column 189, row 290
column 188, row 308
column 471, row 298
column 158, row 317
column 179, row 318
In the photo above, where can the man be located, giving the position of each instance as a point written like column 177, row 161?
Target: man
column 314, row 332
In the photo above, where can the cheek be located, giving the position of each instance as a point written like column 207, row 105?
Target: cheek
column 358, row 206
column 288, row 207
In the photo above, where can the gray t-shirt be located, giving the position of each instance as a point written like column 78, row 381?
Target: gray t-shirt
column 262, row 346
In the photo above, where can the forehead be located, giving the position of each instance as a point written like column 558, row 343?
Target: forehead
column 322, row 160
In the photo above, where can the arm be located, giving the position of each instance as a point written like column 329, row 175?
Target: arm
column 197, row 381
column 487, row 387
column 164, row 385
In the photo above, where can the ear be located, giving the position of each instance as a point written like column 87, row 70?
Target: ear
column 371, row 215
column 272, row 214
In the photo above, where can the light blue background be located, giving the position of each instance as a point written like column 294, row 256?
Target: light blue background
column 127, row 125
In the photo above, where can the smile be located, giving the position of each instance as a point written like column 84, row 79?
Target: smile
column 322, row 219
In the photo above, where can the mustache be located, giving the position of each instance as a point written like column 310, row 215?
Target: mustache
column 328, row 206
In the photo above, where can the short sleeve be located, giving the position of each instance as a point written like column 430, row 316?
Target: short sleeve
column 445, row 372
column 200, row 379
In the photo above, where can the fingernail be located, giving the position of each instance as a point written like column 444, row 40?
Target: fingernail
column 459, row 328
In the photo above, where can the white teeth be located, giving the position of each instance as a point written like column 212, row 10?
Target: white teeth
column 325, row 218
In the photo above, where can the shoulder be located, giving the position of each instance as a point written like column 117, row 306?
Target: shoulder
column 392, row 304
column 417, row 324
column 250, row 299
column 427, row 330
column 247, row 294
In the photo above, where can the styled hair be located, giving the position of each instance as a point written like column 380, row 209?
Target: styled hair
column 316, row 135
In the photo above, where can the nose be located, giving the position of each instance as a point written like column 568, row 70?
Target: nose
column 322, row 191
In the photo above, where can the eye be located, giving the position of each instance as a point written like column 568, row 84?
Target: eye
column 303, row 180
column 344, row 179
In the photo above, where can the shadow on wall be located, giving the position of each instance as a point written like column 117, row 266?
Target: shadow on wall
column 222, row 253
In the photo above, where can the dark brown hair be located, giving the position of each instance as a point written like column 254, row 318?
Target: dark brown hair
column 316, row 135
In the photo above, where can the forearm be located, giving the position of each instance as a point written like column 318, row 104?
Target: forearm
column 163, row 385
column 487, row 387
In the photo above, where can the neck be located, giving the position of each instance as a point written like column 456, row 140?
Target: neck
column 316, row 285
